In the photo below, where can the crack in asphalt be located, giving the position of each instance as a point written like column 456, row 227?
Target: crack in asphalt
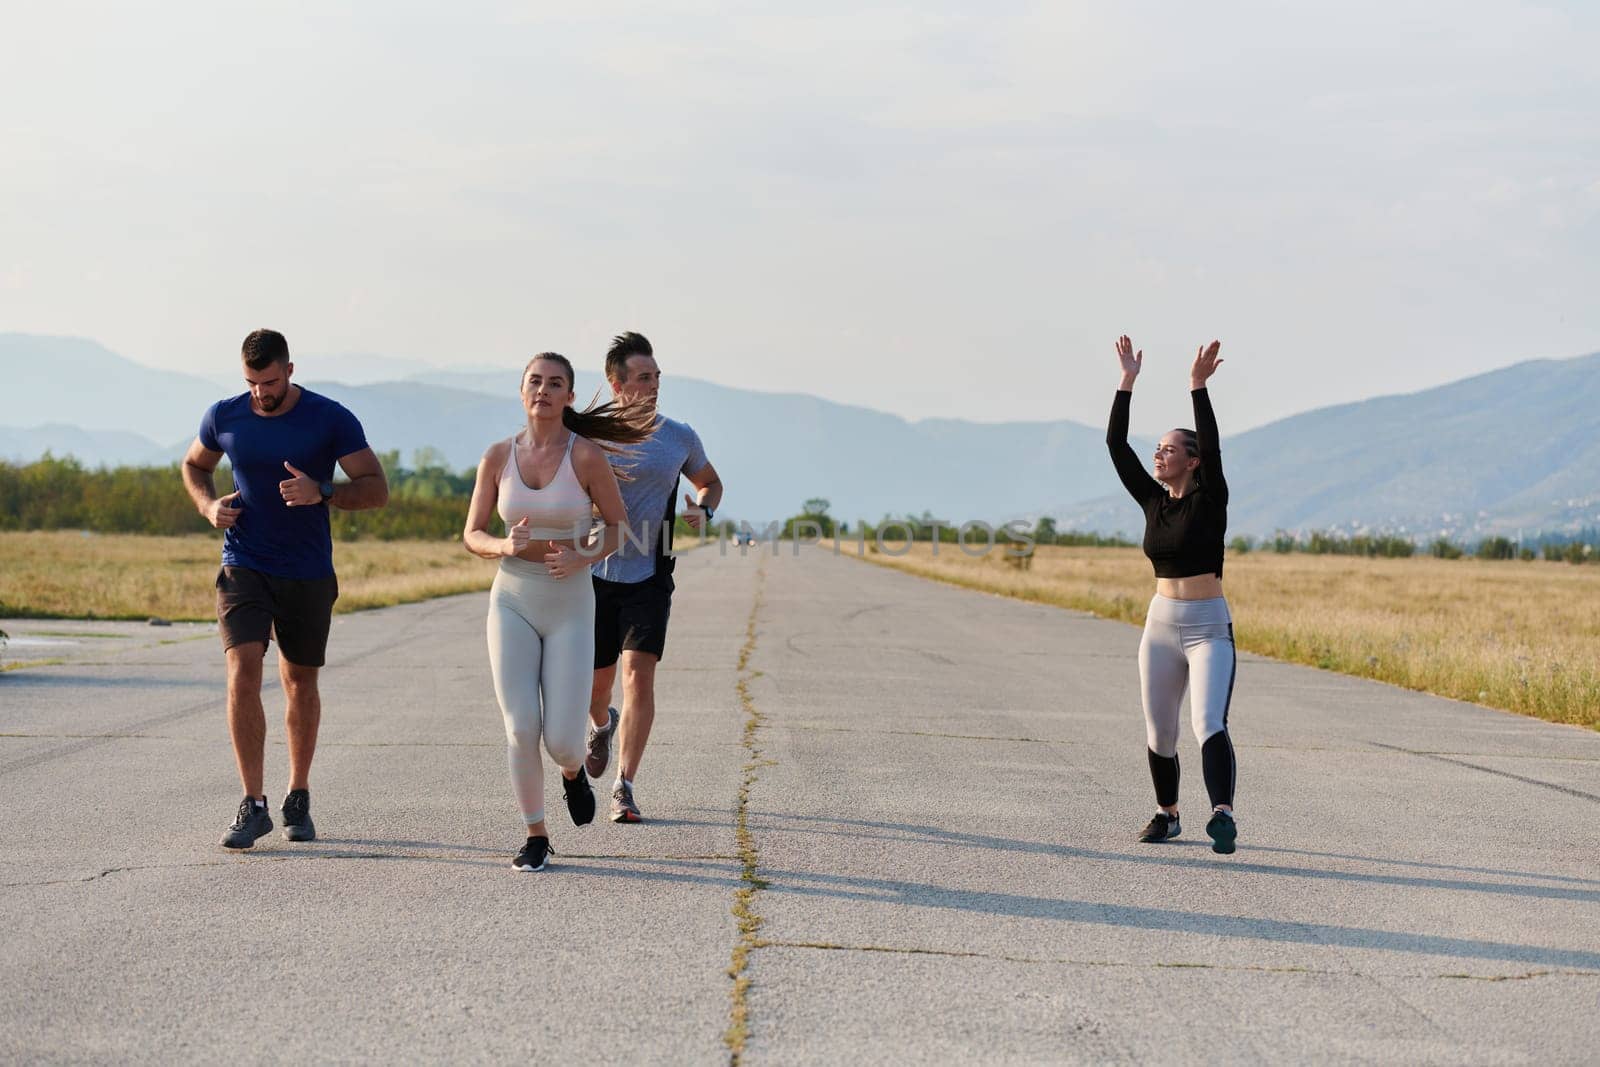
column 749, row 921
column 914, row 950
column 1568, row 790
column 249, row 856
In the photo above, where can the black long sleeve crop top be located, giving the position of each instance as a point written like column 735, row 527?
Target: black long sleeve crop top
column 1183, row 537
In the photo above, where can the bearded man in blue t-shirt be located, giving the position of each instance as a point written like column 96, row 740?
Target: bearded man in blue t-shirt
column 277, row 577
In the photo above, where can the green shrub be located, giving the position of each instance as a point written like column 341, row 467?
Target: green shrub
column 1497, row 548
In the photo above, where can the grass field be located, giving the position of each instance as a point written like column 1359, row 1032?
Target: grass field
column 127, row 576
column 72, row 575
column 1520, row 636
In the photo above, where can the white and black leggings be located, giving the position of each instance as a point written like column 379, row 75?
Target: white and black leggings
column 1188, row 644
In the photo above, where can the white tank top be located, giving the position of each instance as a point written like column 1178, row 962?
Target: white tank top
column 560, row 511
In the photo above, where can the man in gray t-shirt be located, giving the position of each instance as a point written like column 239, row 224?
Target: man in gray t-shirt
column 633, row 587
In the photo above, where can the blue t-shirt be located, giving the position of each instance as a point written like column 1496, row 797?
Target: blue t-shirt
column 653, row 467
column 269, row 535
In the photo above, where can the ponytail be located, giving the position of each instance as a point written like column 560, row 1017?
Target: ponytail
column 611, row 423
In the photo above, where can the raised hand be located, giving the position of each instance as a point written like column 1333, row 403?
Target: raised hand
column 1131, row 361
column 693, row 513
column 563, row 561
column 1205, row 364
column 300, row 490
column 516, row 538
column 221, row 512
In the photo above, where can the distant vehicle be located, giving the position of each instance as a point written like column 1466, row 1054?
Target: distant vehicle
column 744, row 537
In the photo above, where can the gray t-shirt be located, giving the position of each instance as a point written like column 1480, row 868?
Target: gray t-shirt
column 653, row 468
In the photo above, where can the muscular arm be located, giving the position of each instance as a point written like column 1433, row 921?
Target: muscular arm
column 709, row 487
column 368, row 487
column 199, row 467
column 1134, row 477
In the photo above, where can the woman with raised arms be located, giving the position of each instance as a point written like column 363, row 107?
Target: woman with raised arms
column 1188, row 631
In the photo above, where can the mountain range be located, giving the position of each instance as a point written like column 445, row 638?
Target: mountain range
column 1512, row 449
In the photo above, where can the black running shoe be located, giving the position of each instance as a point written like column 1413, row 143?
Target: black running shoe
column 297, row 825
column 598, row 754
column 534, row 855
column 580, row 798
column 251, row 822
column 1163, row 827
column 1223, row 830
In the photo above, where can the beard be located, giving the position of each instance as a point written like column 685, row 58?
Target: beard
column 270, row 403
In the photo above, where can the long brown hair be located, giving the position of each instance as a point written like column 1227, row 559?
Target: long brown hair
column 609, row 424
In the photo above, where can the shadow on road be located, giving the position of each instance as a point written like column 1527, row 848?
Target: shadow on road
column 928, row 895
column 1167, row 855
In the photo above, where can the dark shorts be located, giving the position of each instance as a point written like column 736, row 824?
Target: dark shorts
column 630, row 616
column 256, row 607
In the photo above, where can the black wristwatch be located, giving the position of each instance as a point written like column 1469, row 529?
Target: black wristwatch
column 326, row 489
column 707, row 509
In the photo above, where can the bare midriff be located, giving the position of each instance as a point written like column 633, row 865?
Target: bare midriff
column 1193, row 587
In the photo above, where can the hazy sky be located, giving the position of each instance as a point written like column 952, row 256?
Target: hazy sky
column 932, row 209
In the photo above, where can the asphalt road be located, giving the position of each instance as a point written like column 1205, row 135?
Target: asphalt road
column 921, row 801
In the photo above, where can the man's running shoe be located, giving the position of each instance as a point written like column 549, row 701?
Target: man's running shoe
column 580, row 798
column 1163, row 827
column 1223, row 830
column 599, row 744
column 534, row 855
column 623, row 809
column 251, row 822
column 297, row 825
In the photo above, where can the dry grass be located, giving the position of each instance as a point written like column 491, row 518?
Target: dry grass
column 68, row 574
column 1520, row 636
column 127, row 576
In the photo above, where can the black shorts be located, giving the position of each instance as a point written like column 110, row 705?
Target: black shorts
column 256, row 607
column 632, row 616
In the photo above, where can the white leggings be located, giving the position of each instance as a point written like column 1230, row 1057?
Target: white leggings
column 541, row 640
column 1188, row 644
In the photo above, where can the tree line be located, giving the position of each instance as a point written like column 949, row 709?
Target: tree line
column 427, row 500
column 814, row 520
column 1579, row 549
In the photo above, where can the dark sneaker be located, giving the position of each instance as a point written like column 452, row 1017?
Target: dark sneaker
column 534, row 855
column 1223, row 830
column 1163, row 827
column 297, row 825
column 251, row 822
column 599, row 756
column 623, row 809
column 580, row 798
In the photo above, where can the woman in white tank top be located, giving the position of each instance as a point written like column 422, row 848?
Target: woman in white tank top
column 546, row 482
